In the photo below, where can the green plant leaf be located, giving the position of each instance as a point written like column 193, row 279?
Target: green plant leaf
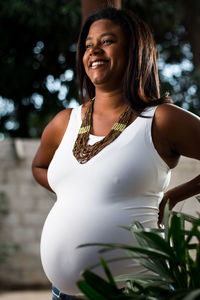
column 108, row 273
column 194, row 269
column 193, row 295
column 173, row 260
column 154, row 254
column 158, row 291
column 154, row 240
column 112, row 246
column 198, row 198
column 110, row 260
column 99, row 284
column 186, row 217
column 90, row 292
column 166, row 220
column 145, row 277
column 136, row 227
column 193, row 232
column 177, row 296
column 177, row 226
column 155, row 265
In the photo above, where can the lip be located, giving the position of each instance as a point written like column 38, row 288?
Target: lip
column 99, row 62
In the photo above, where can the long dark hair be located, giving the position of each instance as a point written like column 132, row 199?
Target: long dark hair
column 141, row 82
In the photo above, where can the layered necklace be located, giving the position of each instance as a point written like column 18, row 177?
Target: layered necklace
column 84, row 152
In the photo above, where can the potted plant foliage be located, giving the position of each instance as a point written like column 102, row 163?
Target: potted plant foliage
column 173, row 259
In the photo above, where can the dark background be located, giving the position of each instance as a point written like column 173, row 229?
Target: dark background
column 37, row 57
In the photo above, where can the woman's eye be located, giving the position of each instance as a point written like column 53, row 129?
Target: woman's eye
column 88, row 46
column 105, row 42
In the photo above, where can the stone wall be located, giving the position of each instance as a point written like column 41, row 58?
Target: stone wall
column 29, row 204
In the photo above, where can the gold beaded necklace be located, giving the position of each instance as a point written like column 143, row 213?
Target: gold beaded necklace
column 84, row 152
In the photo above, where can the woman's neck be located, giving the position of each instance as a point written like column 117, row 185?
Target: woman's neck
column 109, row 101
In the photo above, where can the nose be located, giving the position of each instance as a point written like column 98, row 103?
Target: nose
column 96, row 49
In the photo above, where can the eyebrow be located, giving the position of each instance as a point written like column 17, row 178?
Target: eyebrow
column 102, row 35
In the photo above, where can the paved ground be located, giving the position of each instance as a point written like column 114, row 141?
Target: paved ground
column 26, row 295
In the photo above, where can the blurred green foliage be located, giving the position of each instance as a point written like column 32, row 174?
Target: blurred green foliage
column 38, row 39
column 37, row 57
column 175, row 25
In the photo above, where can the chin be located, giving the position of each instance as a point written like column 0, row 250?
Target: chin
column 98, row 81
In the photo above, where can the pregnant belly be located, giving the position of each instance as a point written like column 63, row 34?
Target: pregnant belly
column 66, row 227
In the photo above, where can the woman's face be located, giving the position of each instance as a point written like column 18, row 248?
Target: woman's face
column 106, row 55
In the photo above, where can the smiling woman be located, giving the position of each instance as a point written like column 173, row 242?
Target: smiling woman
column 109, row 160
column 104, row 59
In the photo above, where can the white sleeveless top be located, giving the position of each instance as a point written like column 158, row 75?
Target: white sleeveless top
column 122, row 183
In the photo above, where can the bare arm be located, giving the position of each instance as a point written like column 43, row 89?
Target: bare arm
column 181, row 129
column 50, row 141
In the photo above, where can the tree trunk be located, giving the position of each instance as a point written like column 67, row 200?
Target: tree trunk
column 88, row 6
column 192, row 24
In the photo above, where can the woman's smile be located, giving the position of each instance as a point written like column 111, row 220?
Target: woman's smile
column 98, row 63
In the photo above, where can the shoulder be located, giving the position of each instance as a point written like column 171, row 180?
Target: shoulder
column 62, row 117
column 178, row 126
column 56, row 128
column 170, row 116
column 170, row 112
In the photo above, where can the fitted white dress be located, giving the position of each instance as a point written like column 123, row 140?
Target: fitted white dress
column 122, row 183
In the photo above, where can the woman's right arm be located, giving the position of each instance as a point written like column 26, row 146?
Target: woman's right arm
column 50, row 140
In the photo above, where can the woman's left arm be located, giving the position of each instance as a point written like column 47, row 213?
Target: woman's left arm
column 182, row 131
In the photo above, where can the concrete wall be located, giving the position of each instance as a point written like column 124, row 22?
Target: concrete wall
column 29, row 205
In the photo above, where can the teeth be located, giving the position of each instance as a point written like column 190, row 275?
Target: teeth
column 95, row 63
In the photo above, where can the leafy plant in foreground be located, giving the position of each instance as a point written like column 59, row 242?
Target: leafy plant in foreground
column 172, row 255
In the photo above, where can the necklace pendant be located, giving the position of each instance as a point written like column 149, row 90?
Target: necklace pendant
column 84, row 152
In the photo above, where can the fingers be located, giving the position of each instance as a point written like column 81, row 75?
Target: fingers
column 161, row 210
column 161, row 213
column 160, row 225
column 160, row 219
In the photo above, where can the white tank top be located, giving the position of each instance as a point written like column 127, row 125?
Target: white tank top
column 122, row 183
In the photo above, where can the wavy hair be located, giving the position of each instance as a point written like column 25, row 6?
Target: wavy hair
column 141, row 82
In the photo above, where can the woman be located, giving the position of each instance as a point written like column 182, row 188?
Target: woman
column 109, row 160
